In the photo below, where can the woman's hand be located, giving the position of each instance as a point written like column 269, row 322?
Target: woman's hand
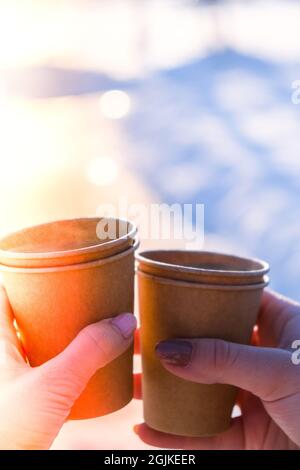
column 268, row 374
column 35, row 402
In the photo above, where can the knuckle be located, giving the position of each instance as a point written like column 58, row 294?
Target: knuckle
column 223, row 356
column 101, row 340
column 220, row 354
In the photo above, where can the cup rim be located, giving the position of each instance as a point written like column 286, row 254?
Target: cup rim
column 164, row 266
column 19, row 255
column 71, row 267
column 200, row 285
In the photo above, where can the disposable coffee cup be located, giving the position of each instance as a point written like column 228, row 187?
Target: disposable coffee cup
column 203, row 267
column 52, row 304
column 66, row 242
column 170, row 308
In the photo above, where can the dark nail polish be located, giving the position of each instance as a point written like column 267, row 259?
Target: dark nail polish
column 174, row 352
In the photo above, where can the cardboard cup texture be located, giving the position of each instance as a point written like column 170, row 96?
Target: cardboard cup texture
column 66, row 242
column 202, row 266
column 52, row 305
column 174, row 309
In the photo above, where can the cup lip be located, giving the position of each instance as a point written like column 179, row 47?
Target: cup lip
column 142, row 258
column 71, row 267
column 200, row 285
column 19, row 255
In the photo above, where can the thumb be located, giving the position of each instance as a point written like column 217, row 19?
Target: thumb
column 266, row 372
column 93, row 348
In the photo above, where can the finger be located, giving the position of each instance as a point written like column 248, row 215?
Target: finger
column 216, row 361
column 233, row 438
column 255, row 338
column 275, row 314
column 137, row 346
column 137, row 386
column 255, row 418
column 93, row 348
column 10, row 345
column 239, row 398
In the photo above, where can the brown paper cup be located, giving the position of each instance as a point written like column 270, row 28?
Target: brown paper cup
column 52, row 305
column 66, row 242
column 173, row 309
column 202, row 266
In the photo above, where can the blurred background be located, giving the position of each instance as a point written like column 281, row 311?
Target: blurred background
column 175, row 101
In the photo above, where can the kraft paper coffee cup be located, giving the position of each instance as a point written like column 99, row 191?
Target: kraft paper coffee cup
column 66, row 242
column 170, row 308
column 51, row 305
column 202, row 266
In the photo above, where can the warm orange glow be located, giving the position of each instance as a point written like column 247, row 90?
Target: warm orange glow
column 102, row 171
column 23, row 154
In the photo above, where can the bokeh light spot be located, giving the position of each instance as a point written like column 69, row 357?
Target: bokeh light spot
column 114, row 104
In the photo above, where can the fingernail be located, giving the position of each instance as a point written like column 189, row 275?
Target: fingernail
column 125, row 323
column 176, row 353
column 136, row 428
